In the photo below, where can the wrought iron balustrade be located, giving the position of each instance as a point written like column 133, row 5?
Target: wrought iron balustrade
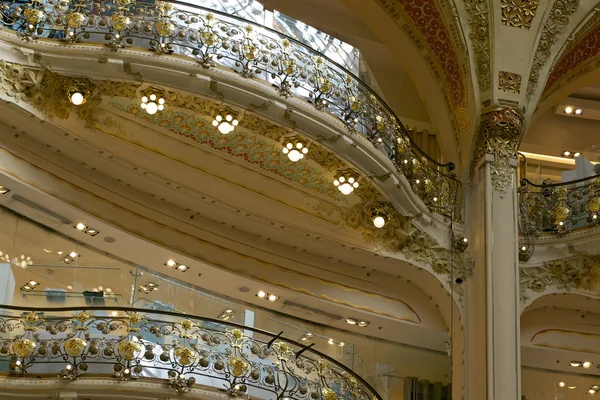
column 129, row 344
column 559, row 207
column 218, row 40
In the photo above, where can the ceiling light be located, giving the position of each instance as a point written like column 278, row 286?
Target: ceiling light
column 108, row 290
column 380, row 213
column 66, row 260
column 229, row 311
column 568, row 110
column 379, row 221
column 32, row 283
column 182, row 268
column 596, row 387
column 78, row 91
column 566, row 153
column 578, row 111
column 152, row 103
column 295, row 149
column 3, row 190
column 86, row 229
column 330, row 341
column 272, row 298
column 261, row 294
column 80, row 226
column 224, row 316
column 225, row 123
column 346, row 181
column 304, row 339
column 576, row 154
column 26, row 288
column 73, row 254
column 69, row 287
column 308, row 334
column 587, row 364
column 341, row 344
column 170, row 263
column 363, row 324
column 572, row 387
column 575, row 363
column 59, row 253
column 561, row 384
column 351, row 321
column 591, row 391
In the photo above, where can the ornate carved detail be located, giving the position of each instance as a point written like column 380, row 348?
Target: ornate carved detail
column 499, row 132
column 18, row 82
column 518, row 13
column 479, row 22
column 553, row 27
column 582, row 272
column 509, row 82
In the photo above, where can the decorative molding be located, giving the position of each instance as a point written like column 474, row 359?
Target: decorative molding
column 581, row 272
column 509, row 82
column 499, row 132
column 518, row 13
column 478, row 13
column 554, row 26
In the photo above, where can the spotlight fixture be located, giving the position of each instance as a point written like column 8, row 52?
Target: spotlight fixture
column 265, row 296
column 575, row 364
column 225, row 122
column 587, row 364
column 572, row 387
column 561, row 384
column 460, row 242
column 148, row 287
column 363, row 324
column 592, row 391
column 380, row 213
column 78, row 90
column 294, row 148
column 576, row 154
column 227, row 314
column 346, row 181
column 3, row 190
column 351, row 321
column 356, row 321
column 569, row 110
column 73, row 254
column 330, row 341
column 571, row 154
column 175, row 265
column 29, row 286
column 81, row 227
column 578, row 111
column 151, row 102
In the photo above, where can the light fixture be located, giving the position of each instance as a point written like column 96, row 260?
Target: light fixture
column 308, row 334
column 578, row 111
column 592, row 391
column 341, row 344
column 263, row 295
column 587, row 364
column 460, row 242
column 23, row 261
column 175, row 265
column 575, row 364
column 351, row 321
column 576, row 154
column 568, row 110
column 81, row 227
column 561, row 384
column 151, row 102
column 148, row 287
column 572, row 387
column 346, row 181
column 294, row 148
column 3, row 190
column 363, row 324
column 73, row 254
column 227, row 314
column 225, row 122
column 78, row 90
column 29, row 286
column 380, row 213
column 330, row 341
column 525, row 252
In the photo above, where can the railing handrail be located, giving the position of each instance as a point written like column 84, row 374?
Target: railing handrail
column 525, row 182
column 206, row 319
column 450, row 165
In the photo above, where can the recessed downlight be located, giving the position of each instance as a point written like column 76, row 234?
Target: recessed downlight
column 569, row 110
column 266, row 296
column 561, row 384
column 587, row 364
column 575, row 363
column 578, row 111
column 351, row 321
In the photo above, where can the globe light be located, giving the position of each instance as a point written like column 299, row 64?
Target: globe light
column 225, row 124
column 346, row 182
column 346, row 188
column 152, row 103
column 77, row 99
column 151, row 108
column 379, row 221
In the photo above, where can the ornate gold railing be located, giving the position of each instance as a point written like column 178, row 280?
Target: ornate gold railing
column 215, row 39
column 559, row 207
column 129, row 344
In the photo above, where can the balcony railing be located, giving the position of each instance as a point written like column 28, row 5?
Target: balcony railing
column 129, row 344
column 559, row 207
column 216, row 39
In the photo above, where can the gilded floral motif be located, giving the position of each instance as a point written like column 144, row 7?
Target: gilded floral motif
column 185, row 355
column 509, row 82
column 129, row 349
column 23, row 347
column 518, row 13
column 74, row 347
column 238, row 366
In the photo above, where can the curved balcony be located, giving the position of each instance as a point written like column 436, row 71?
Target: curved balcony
column 182, row 351
column 217, row 40
column 559, row 207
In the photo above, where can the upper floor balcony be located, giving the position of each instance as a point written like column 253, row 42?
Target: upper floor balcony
column 306, row 65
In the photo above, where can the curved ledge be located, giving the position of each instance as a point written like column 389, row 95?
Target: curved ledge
column 179, row 349
column 251, row 51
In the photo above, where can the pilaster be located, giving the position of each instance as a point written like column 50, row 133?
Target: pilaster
column 492, row 351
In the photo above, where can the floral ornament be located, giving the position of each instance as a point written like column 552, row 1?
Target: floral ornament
column 328, row 394
column 23, row 348
column 237, row 338
column 238, row 366
column 185, row 355
column 129, row 349
column 74, row 347
column 284, row 352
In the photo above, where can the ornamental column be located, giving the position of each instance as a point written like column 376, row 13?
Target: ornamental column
column 492, row 348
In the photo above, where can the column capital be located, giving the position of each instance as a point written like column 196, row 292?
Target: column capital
column 498, row 134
